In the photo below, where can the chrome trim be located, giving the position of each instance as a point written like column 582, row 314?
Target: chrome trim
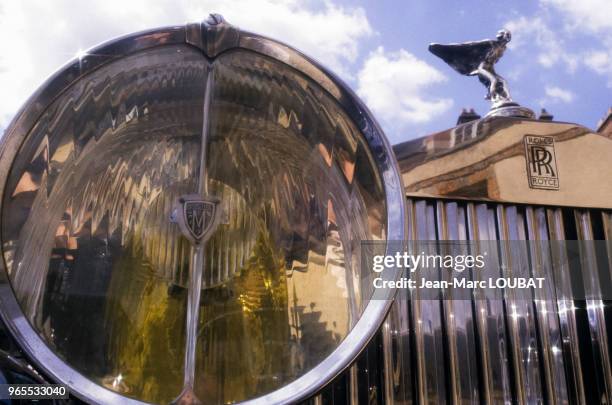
column 427, row 316
column 607, row 225
column 490, row 322
column 353, row 385
column 458, row 315
column 546, row 308
column 213, row 35
column 197, row 259
column 374, row 313
column 565, row 310
column 520, row 318
column 399, row 374
column 511, row 110
column 594, row 306
column 388, row 355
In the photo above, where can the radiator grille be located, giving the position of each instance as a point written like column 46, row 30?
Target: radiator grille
column 549, row 349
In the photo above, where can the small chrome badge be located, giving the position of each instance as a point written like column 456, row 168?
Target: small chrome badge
column 196, row 216
column 542, row 170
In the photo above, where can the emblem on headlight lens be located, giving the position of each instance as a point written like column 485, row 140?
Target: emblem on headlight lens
column 197, row 217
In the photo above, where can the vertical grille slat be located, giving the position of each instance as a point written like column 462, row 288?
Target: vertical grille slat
column 390, row 380
column 606, row 218
column 491, row 329
column 565, row 309
column 520, row 316
column 546, row 308
column 594, row 307
column 458, row 316
column 427, row 317
column 353, row 385
column 375, row 372
column 396, row 331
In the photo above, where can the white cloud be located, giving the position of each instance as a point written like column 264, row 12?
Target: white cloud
column 578, row 17
column 392, row 84
column 557, row 94
column 38, row 36
column 591, row 16
column 551, row 48
column 331, row 34
column 599, row 61
column 585, row 14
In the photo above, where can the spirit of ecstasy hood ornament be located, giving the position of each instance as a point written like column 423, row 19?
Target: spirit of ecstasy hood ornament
column 478, row 58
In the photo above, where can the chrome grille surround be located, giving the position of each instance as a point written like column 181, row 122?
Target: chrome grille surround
column 557, row 356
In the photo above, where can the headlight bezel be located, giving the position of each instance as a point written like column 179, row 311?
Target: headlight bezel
column 211, row 42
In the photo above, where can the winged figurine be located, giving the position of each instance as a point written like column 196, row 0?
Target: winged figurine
column 478, row 58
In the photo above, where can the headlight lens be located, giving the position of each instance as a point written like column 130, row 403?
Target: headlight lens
column 100, row 271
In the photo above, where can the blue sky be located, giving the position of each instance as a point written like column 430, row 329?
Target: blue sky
column 547, row 64
column 560, row 56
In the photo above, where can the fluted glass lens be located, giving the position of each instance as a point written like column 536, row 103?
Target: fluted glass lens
column 101, row 271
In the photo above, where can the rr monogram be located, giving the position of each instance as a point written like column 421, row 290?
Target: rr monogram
column 541, row 162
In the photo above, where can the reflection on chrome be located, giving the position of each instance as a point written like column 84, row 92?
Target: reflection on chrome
column 94, row 184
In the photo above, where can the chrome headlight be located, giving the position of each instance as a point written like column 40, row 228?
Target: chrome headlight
column 96, row 274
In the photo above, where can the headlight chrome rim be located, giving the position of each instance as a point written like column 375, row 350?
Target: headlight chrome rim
column 375, row 311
